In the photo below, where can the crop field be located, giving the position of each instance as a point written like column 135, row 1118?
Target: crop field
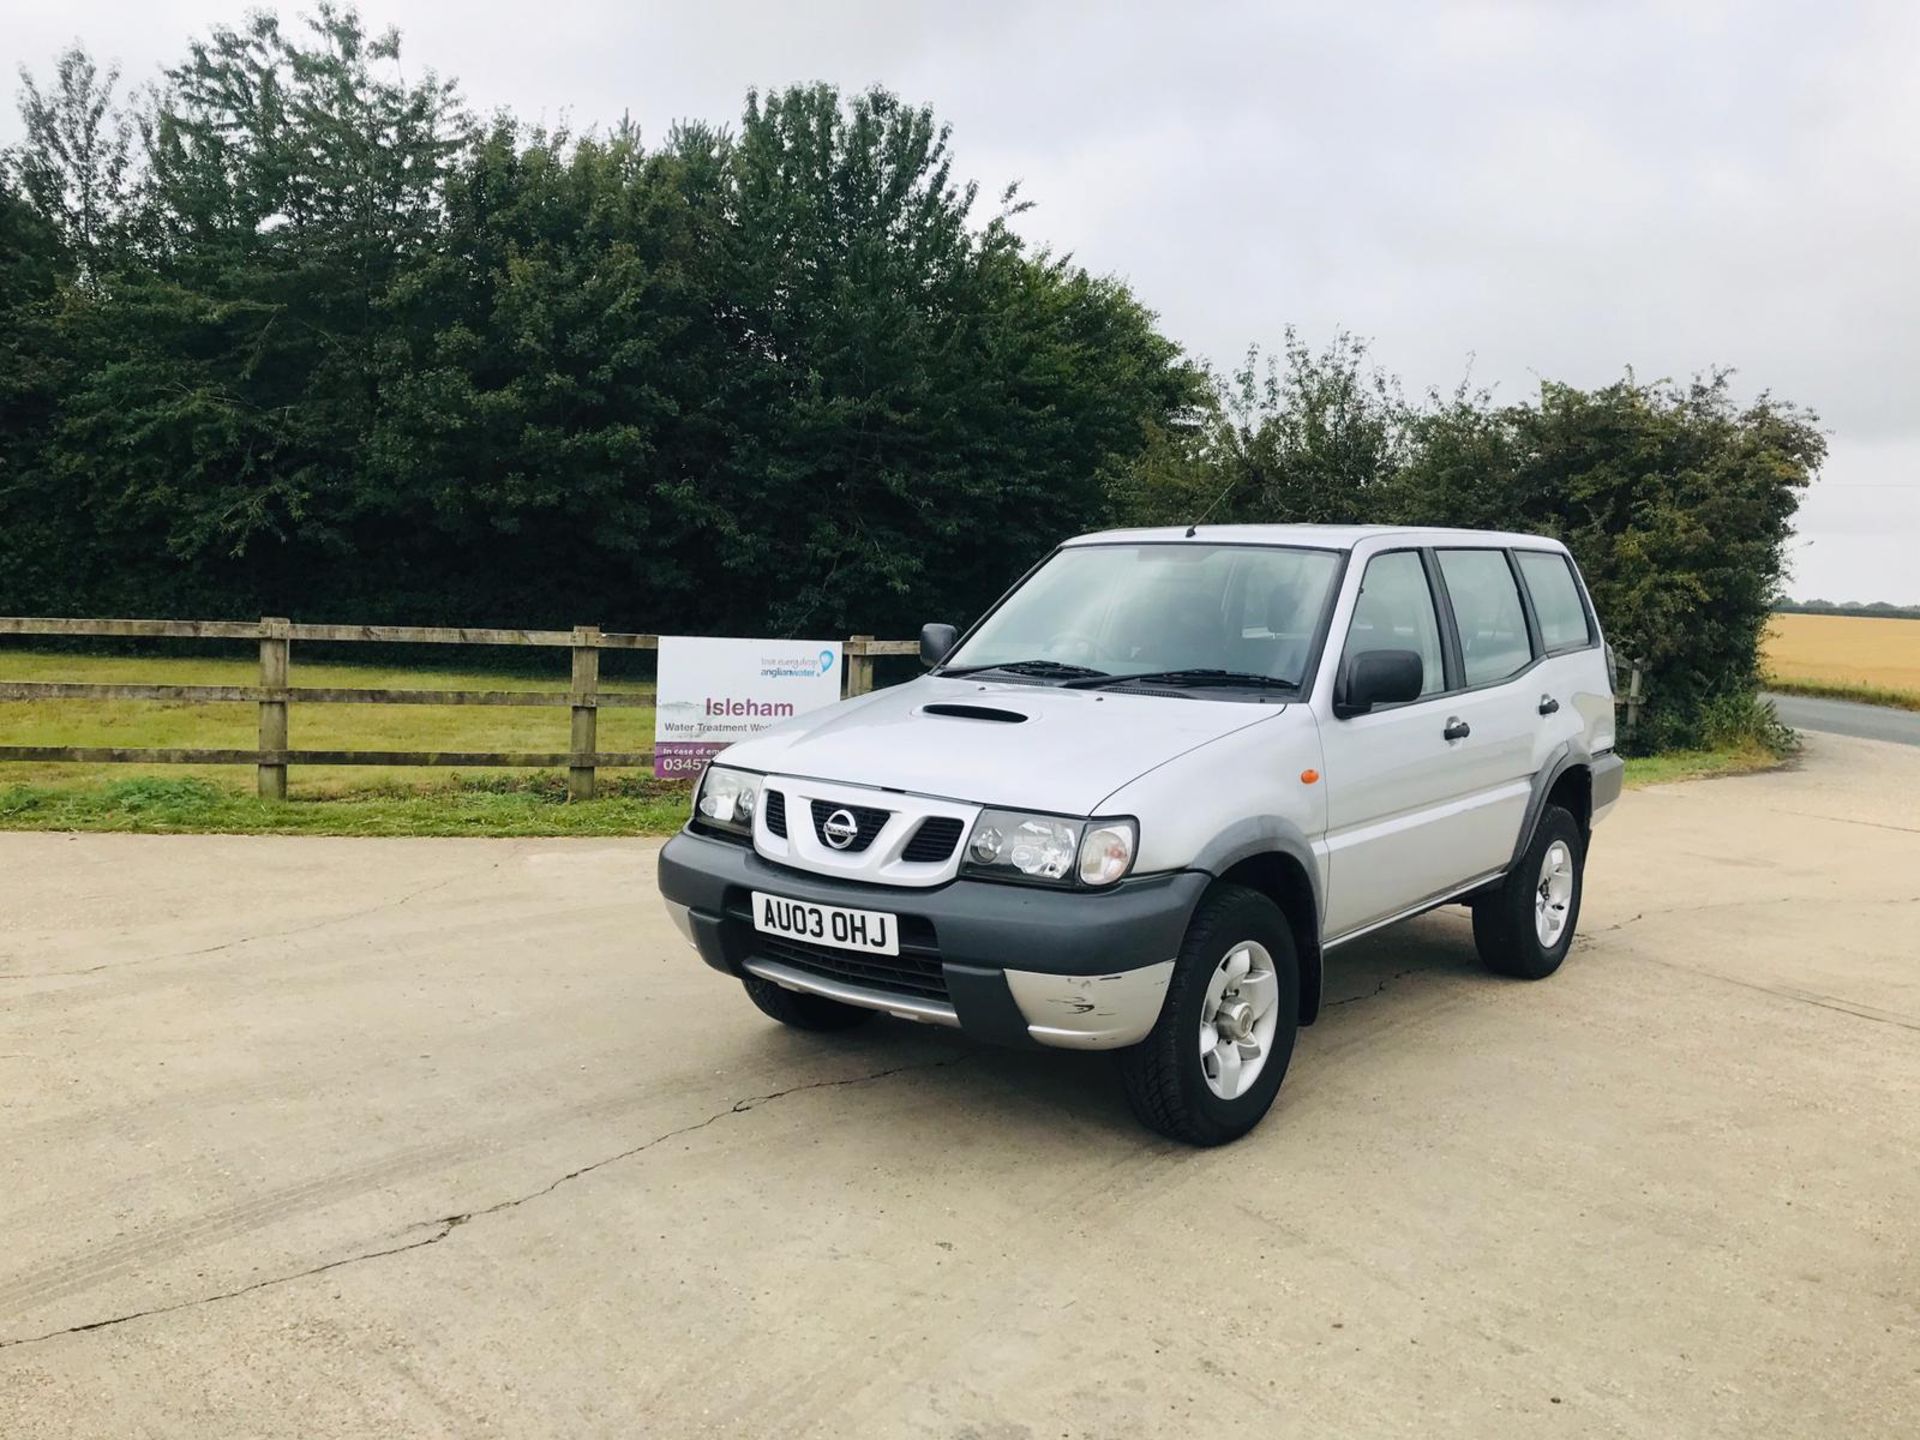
column 1849, row 657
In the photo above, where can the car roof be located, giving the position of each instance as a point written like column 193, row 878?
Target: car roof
column 1323, row 537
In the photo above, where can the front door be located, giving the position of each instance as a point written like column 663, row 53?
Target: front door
column 1400, row 814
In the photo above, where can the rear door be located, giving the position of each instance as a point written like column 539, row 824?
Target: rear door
column 1576, row 698
column 1496, row 712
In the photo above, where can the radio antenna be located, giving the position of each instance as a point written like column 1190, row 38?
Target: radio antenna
column 1225, row 491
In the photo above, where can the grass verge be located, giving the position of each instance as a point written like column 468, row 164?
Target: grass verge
column 376, row 802
column 521, row 805
column 1745, row 758
column 1841, row 690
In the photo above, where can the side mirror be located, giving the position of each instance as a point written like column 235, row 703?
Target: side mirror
column 936, row 643
column 1379, row 677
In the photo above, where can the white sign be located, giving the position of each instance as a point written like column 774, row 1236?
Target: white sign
column 712, row 693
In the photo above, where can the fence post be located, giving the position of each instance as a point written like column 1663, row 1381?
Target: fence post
column 859, row 666
column 586, row 712
column 274, row 647
column 1633, row 699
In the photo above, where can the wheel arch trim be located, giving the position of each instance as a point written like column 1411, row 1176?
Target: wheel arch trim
column 1564, row 761
column 1262, row 840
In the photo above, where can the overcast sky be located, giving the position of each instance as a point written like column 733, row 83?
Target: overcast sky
column 1558, row 189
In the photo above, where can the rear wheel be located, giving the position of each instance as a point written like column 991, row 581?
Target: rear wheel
column 801, row 1010
column 1525, row 928
column 1213, row 1062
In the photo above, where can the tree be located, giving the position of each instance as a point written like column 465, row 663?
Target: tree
column 292, row 183
column 1299, row 438
column 915, row 398
column 73, row 166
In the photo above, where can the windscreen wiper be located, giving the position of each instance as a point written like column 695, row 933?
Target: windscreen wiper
column 1225, row 679
column 1040, row 669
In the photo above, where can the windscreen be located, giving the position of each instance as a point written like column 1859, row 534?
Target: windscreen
column 1134, row 609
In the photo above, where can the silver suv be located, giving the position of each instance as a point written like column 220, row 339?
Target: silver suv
column 1142, row 800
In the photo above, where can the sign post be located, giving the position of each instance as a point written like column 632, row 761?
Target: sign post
column 711, row 693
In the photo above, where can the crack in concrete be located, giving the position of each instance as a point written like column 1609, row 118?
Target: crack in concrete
column 1750, row 904
column 1850, row 820
column 1789, row 992
column 445, row 1225
column 1355, row 999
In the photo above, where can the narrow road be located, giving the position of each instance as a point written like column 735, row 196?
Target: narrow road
column 1845, row 717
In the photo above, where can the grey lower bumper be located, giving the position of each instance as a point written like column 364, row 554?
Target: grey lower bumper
column 1019, row 965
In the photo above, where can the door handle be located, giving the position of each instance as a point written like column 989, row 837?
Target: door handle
column 1549, row 705
column 1457, row 729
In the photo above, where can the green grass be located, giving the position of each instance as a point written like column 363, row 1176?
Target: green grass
column 1842, row 690
column 513, row 805
column 372, row 800
column 1746, row 758
column 322, row 800
column 147, row 724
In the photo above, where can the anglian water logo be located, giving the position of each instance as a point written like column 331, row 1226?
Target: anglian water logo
column 804, row 665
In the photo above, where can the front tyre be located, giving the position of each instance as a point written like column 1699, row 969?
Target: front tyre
column 1525, row 928
column 801, row 1010
column 1213, row 1062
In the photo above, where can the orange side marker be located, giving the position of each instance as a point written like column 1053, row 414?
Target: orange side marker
column 1309, row 777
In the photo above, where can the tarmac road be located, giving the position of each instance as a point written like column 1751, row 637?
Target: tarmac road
column 1845, row 717
column 306, row 1137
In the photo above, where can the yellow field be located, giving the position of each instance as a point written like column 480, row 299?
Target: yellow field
column 1846, row 653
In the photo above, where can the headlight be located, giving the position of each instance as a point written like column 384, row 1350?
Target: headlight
column 1009, row 845
column 726, row 800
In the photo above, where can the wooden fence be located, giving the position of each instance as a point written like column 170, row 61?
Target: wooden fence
column 275, row 694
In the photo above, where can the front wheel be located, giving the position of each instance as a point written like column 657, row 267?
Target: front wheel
column 1525, row 928
column 1213, row 1062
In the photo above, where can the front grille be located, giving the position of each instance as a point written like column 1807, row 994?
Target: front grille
column 776, row 806
column 914, row 971
column 933, row 842
column 867, row 820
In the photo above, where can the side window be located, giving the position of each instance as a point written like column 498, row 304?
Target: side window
column 1395, row 611
column 1556, row 599
column 1487, row 610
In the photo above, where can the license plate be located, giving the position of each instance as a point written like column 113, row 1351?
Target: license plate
column 873, row 931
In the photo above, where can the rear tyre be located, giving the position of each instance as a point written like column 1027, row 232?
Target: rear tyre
column 1525, row 928
column 800, row 1010
column 1213, row 1062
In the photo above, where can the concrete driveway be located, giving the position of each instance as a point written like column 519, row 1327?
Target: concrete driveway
column 328, row 1137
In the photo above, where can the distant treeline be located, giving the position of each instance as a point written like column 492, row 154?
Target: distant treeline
column 292, row 333
column 1878, row 609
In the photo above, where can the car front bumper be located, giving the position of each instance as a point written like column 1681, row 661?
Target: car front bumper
column 1017, row 964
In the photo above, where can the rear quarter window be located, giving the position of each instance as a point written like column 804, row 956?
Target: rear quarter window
column 1556, row 599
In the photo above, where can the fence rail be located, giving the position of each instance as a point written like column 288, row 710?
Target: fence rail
column 275, row 695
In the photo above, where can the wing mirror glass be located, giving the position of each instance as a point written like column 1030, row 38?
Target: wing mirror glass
column 936, row 643
column 1379, row 677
